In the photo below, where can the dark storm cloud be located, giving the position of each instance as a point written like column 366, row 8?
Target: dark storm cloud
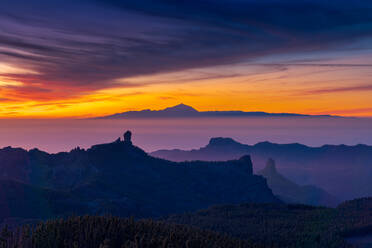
column 299, row 16
column 89, row 44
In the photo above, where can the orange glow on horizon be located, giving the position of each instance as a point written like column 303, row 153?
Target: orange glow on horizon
column 303, row 90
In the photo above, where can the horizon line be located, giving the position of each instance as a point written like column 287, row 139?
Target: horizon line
column 92, row 117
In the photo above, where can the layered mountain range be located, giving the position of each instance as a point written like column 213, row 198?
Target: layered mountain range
column 120, row 179
column 343, row 171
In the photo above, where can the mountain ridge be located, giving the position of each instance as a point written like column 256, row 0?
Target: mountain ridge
column 185, row 111
column 121, row 179
column 326, row 166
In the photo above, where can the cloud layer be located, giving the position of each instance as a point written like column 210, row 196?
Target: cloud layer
column 70, row 48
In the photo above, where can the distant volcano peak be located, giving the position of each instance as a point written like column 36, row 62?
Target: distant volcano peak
column 185, row 111
column 181, row 108
column 220, row 141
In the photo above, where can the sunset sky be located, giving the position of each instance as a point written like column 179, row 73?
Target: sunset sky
column 68, row 58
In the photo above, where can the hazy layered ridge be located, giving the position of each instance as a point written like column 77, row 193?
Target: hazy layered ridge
column 154, row 134
column 343, row 171
column 291, row 192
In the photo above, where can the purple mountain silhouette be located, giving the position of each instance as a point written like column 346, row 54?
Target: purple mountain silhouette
column 185, row 111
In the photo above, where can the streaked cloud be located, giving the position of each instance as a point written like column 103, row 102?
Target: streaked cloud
column 340, row 89
column 54, row 50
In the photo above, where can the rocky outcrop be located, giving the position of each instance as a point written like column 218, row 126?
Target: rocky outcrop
column 128, row 137
column 291, row 192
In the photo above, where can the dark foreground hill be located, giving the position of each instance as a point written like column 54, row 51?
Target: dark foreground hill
column 327, row 167
column 291, row 192
column 23, row 201
column 111, row 232
column 280, row 225
column 247, row 225
column 120, row 179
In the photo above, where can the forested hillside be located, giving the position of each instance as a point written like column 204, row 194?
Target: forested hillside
column 111, row 232
column 280, row 225
column 246, row 225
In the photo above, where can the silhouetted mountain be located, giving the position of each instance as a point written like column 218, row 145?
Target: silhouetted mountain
column 291, row 192
column 22, row 201
column 281, row 225
column 184, row 111
column 328, row 167
column 121, row 179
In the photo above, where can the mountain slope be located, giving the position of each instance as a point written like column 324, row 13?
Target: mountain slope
column 120, row 178
column 328, row 166
column 291, row 192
